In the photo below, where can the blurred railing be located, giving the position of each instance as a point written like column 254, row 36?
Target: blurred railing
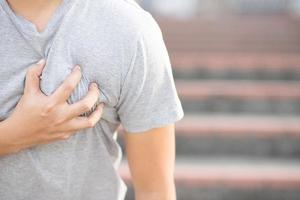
column 189, row 8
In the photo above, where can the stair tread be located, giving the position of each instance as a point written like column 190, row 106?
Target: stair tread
column 194, row 89
column 233, row 172
column 237, row 61
column 251, row 33
column 236, row 125
column 257, row 125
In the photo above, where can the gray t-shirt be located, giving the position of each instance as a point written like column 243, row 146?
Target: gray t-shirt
column 118, row 45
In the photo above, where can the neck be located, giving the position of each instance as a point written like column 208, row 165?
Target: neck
column 36, row 11
column 32, row 6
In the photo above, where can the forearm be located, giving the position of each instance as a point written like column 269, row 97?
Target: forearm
column 151, row 159
column 157, row 192
column 6, row 145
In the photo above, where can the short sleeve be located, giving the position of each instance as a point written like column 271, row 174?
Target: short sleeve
column 148, row 97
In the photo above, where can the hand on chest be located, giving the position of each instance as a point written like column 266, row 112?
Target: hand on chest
column 59, row 66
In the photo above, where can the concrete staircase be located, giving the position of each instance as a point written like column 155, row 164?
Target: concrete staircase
column 239, row 82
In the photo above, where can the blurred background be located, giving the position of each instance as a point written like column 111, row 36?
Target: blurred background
column 236, row 65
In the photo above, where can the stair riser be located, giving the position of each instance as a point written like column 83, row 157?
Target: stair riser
column 240, row 106
column 287, row 75
column 217, row 146
column 247, row 146
column 228, row 193
column 225, row 193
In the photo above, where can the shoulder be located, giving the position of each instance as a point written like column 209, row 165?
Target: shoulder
column 133, row 27
column 131, row 21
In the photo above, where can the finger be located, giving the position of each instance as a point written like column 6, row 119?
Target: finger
column 62, row 93
column 86, row 104
column 61, row 135
column 79, row 123
column 51, row 137
column 32, row 79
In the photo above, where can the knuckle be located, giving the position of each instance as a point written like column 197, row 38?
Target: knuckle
column 100, row 107
column 45, row 136
column 65, row 136
column 47, row 108
column 95, row 89
column 85, row 106
column 48, row 133
column 59, row 120
column 98, row 92
column 100, row 111
column 29, row 71
column 76, row 75
column 79, row 72
column 90, row 123
column 68, row 87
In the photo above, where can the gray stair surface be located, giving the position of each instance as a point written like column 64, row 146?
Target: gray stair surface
column 238, row 79
column 225, row 178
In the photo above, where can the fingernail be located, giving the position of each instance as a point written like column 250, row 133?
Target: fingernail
column 77, row 67
column 95, row 85
column 41, row 61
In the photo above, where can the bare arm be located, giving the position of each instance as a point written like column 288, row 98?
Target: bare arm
column 39, row 119
column 5, row 147
column 151, row 157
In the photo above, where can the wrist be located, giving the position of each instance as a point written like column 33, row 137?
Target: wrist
column 7, row 142
column 166, row 192
column 154, row 196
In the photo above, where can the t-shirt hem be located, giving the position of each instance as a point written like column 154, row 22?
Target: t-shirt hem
column 144, row 125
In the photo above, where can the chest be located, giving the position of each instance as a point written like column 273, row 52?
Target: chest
column 100, row 62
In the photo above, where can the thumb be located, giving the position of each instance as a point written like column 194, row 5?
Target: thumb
column 32, row 80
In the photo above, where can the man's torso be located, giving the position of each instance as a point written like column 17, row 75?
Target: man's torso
column 98, row 36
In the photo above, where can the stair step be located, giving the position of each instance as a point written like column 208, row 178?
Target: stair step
column 234, row 136
column 240, row 96
column 215, row 105
column 238, row 173
column 232, row 179
column 237, row 125
column 257, row 47
column 242, row 25
column 245, row 145
column 236, row 66
column 236, row 61
column 195, row 90
column 260, row 35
